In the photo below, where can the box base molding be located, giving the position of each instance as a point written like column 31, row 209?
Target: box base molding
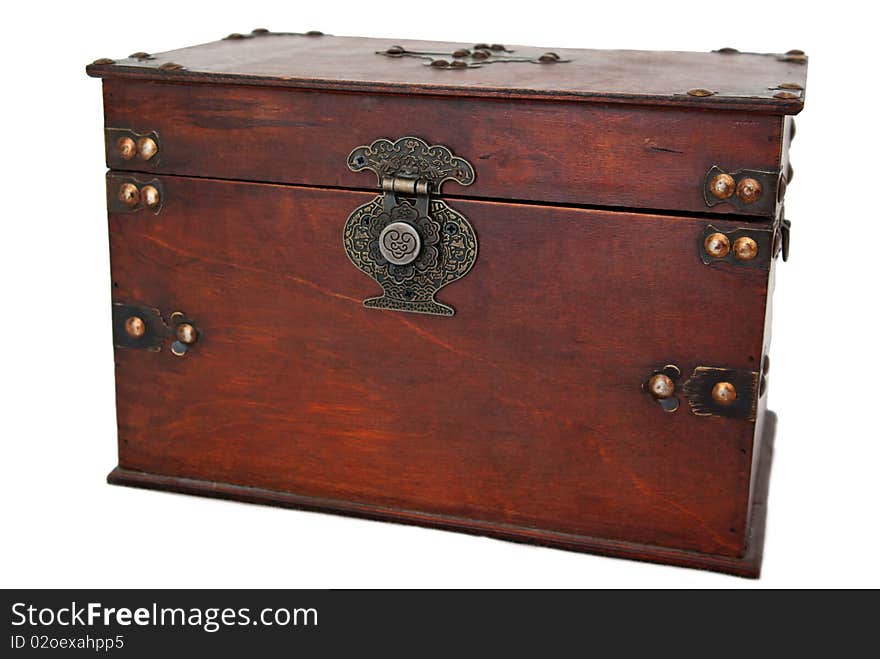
column 748, row 565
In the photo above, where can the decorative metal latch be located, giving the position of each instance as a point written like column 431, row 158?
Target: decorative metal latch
column 409, row 243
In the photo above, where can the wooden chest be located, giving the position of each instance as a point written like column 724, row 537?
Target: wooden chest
column 492, row 289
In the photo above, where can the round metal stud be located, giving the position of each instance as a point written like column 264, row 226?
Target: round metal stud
column 128, row 194
column 749, row 190
column 399, row 243
column 745, row 248
column 150, row 196
column 126, row 148
column 717, row 245
column 700, row 92
column 187, row 334
column 661, row 386
column 147, row 147
column 724, row 393
column 135, row 327
column 722, row 186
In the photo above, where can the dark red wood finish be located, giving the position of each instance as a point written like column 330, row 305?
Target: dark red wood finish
column 749, row 565
column 744, row 82
column 563, row 152
column 523, row 410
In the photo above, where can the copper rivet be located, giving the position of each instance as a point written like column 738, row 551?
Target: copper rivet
column 661, row 386
column 171, row 66
column 104, row 60
column 795, row 52
column 700, row 92
column 724, row 393
column 717, row 245
column 128, row 194
column 745, row 248
column 139, row 55
column 722, row 186
column 150, row 196
column 748, row 190
column 135, row 327
column 126, row 147
column 314, row 33
column 727, row 51
column 147, row 147
column 259, row 30
column 789, row 85
column 187, row 334
column 786, row 95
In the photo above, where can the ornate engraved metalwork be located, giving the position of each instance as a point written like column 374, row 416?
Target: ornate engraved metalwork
column 472, row 58
column 412, row 159
column 410, row 244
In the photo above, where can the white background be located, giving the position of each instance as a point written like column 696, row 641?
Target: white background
column 63, row 526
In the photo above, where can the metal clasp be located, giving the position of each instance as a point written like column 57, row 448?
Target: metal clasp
column 410, row 243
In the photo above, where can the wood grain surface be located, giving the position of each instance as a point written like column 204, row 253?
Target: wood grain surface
column 741, row 81
column 569, row 153
column 524, row 409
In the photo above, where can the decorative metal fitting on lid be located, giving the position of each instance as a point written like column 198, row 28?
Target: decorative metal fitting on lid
column 746, row 189
column 127, row 149
column 475, row 57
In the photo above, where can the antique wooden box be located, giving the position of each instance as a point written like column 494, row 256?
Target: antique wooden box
column 491, row 289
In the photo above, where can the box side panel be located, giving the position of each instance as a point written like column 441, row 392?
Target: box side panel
column 560, row 152
column 525, row 408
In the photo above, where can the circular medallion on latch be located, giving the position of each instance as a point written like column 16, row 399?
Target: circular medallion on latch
column 399, row 243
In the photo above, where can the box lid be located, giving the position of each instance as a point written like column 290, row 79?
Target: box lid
column 722, row 79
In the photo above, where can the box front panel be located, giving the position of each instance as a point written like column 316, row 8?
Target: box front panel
column 525, row 408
